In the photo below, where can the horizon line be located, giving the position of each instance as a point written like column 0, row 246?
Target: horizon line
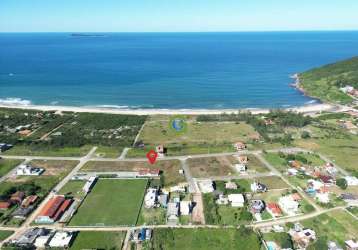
column 213, row 31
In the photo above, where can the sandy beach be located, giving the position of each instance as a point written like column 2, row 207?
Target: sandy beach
column 312, row 108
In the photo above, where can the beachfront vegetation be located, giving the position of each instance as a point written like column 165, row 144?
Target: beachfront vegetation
column 325, row 82
column 205, row 238
column 61, row 133
column 112, row 202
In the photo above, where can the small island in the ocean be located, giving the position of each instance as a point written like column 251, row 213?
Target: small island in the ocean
column 86, row 35
column 334, row 83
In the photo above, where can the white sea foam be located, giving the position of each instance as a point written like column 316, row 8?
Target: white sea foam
column 13, row 101
column 311, row 102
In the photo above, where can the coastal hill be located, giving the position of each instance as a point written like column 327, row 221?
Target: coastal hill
column 325, row 82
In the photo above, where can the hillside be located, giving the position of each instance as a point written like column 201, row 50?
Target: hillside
column 324, row 82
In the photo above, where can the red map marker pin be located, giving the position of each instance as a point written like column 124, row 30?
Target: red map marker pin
column 152, row 156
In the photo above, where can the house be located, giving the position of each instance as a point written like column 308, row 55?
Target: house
column 206, row 186
column 351, row 244
column 42, row 241
column 258, row 187
column 25, row 169
column 295, row 164
column 53, row 209
column 89, row 184
column 25, row 132
column 163, row 200
column 222, row 200
column 239, row 146
column 347, row 89
column 241, row 168
column 29, row 200
column 243, row 159
column 322, row 197
column 150, row 198
column 351, row 199
column 327, row 180
column 147, row 172
column 296, row 197
column 17, row 197
column 5, row 146
column 61, row 239
column 22, row 212
column 4, row 205
column 257, row 206
column 172, row 213
column 161, row 151
column 185, row 207
column 274, row 209
column 288, row 205
column 237, row 200
column 303, row 237
column 140, row 235
column 315, row 185
column 292, row 171
column 28, row 238
column 231, row 185
column 351, row 180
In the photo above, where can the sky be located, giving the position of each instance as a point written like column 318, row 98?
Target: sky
column 176, row 15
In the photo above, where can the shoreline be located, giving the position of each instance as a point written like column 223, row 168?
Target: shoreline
column 310, row 108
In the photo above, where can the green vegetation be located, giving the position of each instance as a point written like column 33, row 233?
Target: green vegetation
column 336, row 226
column 73, row 188
column 111, row 202
column 98, row 240
column 324, row 82
column 342, row 183
column 281, row 239
column 5, row 234
column 6, row 165
column 204, row 238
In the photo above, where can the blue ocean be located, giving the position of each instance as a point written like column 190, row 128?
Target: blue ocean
column 164, row 70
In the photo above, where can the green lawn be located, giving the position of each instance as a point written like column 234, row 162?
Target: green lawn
column 111, row 202
column 5, row 234
column 204, row 238
column 281, row 239
column 108, row 152
column 98, row 240
column 73, row 188
column 7, row 164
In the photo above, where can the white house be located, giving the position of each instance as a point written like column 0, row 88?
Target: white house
column 288, row 205
column 316, row 185
column 347, row 89
column 241, row 168
column 237, row 200
column 206, row 186
column 185, row 207
column 322, row 197
column 24, row 169
column 350, row 244
column 351, row 180
column 61, row 239
column 150, row 198
column 89, row 184
column 41, row 241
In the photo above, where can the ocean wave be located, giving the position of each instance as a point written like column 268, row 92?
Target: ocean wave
column 13, row 101
column 311, row 102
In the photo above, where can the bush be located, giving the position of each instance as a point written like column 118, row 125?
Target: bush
column 342, row 183
column 305, row 135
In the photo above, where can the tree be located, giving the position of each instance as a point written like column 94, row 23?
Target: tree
column 305, row 135
column 342, row 183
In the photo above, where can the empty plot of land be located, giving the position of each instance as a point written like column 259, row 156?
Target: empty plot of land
column 273, row 182
column 170, row 169
column 111, row 202
column 98, row 240
column 212, row 166
column 6, row 165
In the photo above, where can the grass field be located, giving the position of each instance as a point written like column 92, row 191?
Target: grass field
column 204, row 238
column 198, row 138
column 7, row 164
column 111, row 202
column 73, row 188
column 170, row 168
column 98, row 240
column 108, row 152
column 273, row 182
column 336, row 226
column 5, row 234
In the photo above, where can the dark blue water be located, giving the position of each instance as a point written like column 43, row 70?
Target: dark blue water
column 165, row 70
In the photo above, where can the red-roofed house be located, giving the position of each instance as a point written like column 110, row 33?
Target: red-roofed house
column 240, row 146
column 327, row 180
column 65, row 205
column 17, row 197
column 274, row 209
column 5, row 205
column 29, row 200
column 47, row 214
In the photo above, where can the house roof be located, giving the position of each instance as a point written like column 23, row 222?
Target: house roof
column 296, row 197
column 4, row 204
column 274, row 207
column 52, row 206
